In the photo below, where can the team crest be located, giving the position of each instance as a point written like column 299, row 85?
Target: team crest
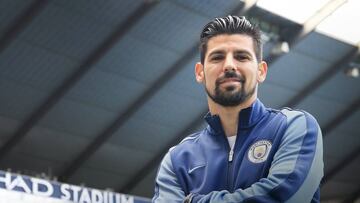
column 259, row 151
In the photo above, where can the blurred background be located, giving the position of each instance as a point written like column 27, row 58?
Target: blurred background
column 95, row 92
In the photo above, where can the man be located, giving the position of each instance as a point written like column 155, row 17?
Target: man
column 247, row 153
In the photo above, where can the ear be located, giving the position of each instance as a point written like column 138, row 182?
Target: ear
column 199, row 72
column 262, row 71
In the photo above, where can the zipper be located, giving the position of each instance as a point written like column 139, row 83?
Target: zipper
column 230, row 171
column 230, row 175
column 231, row 155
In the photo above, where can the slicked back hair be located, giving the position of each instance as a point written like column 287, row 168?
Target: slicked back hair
column 230, row 25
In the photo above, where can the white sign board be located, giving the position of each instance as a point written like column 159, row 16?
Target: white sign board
column 16, row 188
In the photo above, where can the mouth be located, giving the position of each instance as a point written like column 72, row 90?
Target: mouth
column 230, row 80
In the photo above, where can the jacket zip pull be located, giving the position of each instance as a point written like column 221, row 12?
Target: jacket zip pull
column 231, row 154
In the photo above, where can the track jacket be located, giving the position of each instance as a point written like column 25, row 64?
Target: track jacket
column 277, row 157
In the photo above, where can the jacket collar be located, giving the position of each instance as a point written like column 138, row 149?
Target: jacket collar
column 247, row 117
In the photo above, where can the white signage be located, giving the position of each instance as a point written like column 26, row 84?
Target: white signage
column 36, row 190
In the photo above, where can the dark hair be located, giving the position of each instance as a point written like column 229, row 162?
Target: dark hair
column 230, row 25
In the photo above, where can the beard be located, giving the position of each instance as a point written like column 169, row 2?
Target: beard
column 230, row 96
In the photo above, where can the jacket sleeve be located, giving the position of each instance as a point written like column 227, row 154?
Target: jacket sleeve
column 167, row 188
column 295, row 172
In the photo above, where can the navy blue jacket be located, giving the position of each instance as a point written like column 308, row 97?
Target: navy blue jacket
column 277, row 157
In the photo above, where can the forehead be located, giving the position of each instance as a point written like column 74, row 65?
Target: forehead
column 230, row 42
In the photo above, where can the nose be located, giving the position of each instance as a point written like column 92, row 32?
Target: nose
column 229, row 63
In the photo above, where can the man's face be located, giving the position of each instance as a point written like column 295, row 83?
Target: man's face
column 230, row 71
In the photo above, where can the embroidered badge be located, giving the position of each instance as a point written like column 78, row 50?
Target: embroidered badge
column 259, row 151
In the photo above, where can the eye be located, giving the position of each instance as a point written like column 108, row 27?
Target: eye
column 242, row 57
column 217, row 58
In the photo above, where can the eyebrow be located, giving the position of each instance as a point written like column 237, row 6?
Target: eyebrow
column 216, row 52
column 242, row 51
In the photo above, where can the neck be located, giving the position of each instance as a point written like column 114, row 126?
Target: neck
column 229, row 116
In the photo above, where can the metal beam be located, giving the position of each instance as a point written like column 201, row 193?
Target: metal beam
column 87, row 64
column 317, row 82
column 310, row 25
column 144, row 171
column 21, row 22
column 248, row 5
column 316, row 19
